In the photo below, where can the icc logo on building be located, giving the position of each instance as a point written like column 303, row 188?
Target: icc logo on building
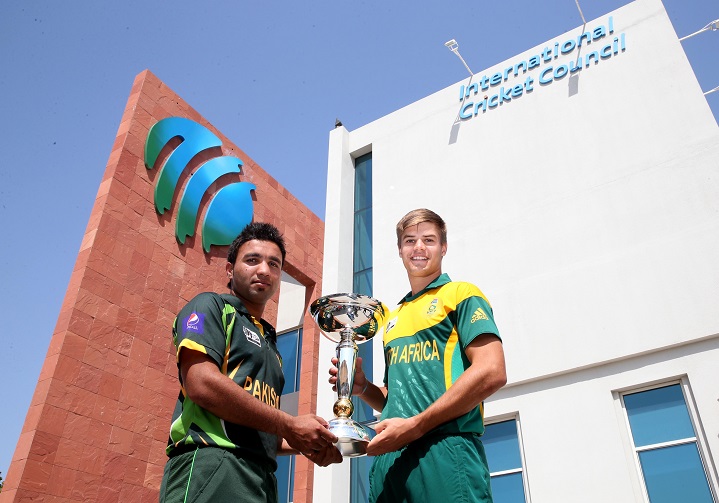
column 230, row 208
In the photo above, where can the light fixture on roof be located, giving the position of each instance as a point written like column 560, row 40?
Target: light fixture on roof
column 713, row 26
column 453, row 46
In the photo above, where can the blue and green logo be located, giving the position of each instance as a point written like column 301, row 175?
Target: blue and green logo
column 230, row 208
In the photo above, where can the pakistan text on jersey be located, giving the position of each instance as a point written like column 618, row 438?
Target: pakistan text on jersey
column 262, row 391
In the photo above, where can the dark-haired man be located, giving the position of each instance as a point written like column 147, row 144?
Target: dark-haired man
column 443, row 358
column 227, row 427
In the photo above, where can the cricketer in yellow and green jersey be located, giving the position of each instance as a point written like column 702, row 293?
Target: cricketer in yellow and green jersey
column 424, row 342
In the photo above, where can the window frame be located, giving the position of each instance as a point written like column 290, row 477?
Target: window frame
column 513, row 416
column 298, row 363
column 362, row 282
column 298, row 374
column 632, row 452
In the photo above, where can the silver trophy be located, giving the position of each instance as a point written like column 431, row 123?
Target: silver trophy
column 348, row 319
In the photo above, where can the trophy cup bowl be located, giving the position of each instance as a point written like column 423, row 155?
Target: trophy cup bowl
column 348, row 319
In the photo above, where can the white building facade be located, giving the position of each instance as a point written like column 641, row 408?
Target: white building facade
column 580, row 185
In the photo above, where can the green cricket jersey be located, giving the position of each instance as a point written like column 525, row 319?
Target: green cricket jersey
column 245, row 350
column 424, row 341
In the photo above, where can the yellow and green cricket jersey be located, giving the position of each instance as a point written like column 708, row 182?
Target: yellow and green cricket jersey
column 424, row 341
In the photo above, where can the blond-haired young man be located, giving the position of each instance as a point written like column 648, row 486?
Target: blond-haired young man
column 443, row 358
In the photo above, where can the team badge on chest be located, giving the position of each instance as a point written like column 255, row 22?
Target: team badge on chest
column 433, row 306
column 252, row 337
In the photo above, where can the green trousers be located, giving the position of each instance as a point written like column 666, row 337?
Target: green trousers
column 214, row 475
column 433, row 469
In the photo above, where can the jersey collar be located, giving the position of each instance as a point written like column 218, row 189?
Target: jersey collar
column 269, row 330
column 441, row 280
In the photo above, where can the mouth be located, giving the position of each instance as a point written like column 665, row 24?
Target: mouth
column 419, row 262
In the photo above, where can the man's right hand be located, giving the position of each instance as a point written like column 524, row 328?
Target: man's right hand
column 308, row 433
column 374, row 396
column 324, row 457
column 360, row 382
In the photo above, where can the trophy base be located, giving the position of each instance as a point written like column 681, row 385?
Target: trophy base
column 352, row 437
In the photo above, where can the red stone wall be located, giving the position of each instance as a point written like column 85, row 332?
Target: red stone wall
column 99, row 420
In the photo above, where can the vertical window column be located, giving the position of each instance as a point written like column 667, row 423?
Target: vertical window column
column 289, row 345
column 362, row 262
column 362, row 255
column 362, row 283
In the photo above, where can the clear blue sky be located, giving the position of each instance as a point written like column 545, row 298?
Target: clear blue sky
column 271, row 76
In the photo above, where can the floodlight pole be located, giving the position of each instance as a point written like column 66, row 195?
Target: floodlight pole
column 580, row 12
column 453, row 46
column 713, row 26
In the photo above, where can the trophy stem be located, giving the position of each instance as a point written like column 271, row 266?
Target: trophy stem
column 352, row 436
column 346, row 360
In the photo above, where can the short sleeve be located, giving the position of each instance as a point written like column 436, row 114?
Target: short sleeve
column 474, row 315
column 199, row 327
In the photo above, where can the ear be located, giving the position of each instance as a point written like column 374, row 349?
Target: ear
column 444, row 249
column 229, row 268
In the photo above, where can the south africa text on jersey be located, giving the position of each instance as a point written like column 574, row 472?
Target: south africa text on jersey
column 413, row 352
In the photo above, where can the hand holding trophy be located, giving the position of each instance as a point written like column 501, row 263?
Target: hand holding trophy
column 348, row 319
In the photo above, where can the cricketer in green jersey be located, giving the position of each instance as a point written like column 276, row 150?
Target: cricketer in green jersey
column 227, row 427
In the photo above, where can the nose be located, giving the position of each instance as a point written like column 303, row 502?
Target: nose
column 263, row 268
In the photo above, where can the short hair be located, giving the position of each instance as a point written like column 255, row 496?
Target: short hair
column 260, row 231
column 418, row 216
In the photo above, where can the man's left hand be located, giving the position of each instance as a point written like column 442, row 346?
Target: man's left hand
column 393, row 434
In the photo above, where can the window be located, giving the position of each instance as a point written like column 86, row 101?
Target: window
column 362, row 261
column 504, row 456
column 285, row 478
column 362, row 283
column 289, row 345
column 665, row 445
column 362, row 256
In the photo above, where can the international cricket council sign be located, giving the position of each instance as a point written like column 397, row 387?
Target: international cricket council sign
column 588, row 40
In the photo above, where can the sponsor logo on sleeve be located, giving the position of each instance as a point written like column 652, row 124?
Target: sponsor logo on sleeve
column 390, row 324
column 479, row 315
column 195, row 323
